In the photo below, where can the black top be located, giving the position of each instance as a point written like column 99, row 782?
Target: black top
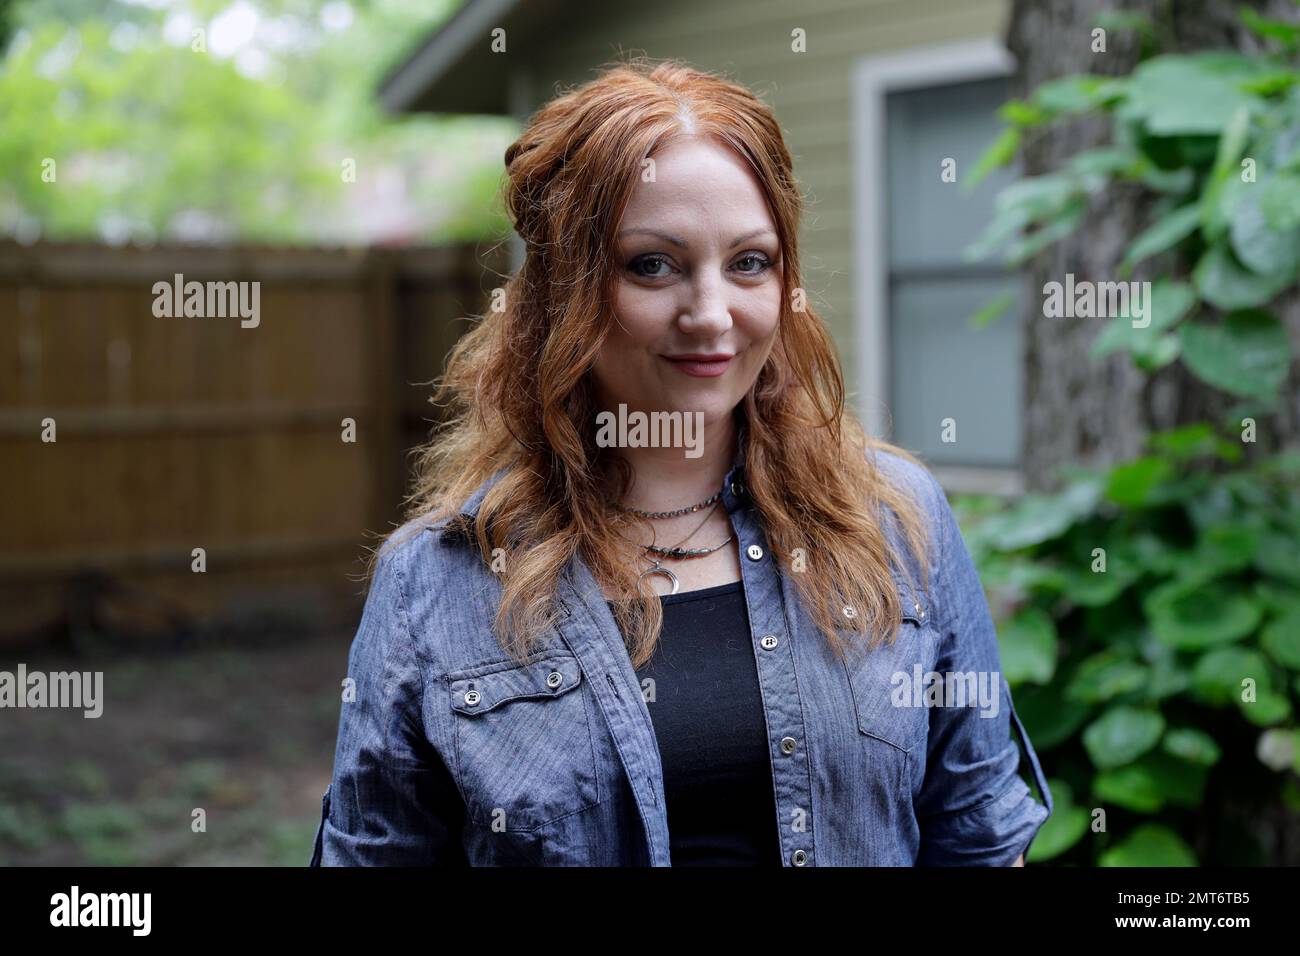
column 708, row 720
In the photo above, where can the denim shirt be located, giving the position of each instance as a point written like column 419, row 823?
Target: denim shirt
column 451, row 753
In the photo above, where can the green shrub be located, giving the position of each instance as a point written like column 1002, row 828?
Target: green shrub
column 1149, row 614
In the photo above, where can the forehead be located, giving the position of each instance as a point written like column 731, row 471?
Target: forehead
column 698, row 180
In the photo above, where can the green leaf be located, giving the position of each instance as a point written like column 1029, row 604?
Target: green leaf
column 1223, row 548
column 1157, row 353
column 1089, row 588
column 1281, row 201
column 1281, row 640
column 1132, row 787
column 992, row 310
column 1192, row 745
column 1028, row 647
column 1078, row 93
column 1260, row 248
column 1146, row 785
column 1134, row 483
column 999, row 153
column 1247, row 354
column 1063, row 829
column 1269, row 707
column 1169, row 303
column 1037, row 518
column 1106, row 161
column 1226, row 284
column 1191, row 615
column 1105, row 675
column 1281, row 600
column 1165, row 233
column 1218, row 675
column 1178, row 94
column 1288, row 34
column 1195, row 440
column 1121, row 735
column 1279, row 556
column 1149, row 845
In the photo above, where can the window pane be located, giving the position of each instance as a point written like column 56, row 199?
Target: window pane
column 941, row 367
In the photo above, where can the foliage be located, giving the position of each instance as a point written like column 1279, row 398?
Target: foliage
column 150, row 138
column 1152, row 610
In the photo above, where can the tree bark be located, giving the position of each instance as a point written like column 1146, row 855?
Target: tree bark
column 1080, row 410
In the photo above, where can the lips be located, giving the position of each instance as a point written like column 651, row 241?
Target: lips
column 701, row 365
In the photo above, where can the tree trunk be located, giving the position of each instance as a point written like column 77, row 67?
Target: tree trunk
column 1079, row 409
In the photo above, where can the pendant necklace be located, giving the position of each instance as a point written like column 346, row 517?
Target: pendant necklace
column 676, row 551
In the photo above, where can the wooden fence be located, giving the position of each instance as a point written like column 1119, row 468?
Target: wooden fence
column 173, row 432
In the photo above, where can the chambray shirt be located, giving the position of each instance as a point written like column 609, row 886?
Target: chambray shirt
column 451, row 753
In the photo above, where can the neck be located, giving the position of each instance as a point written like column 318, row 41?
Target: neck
column 664, row 479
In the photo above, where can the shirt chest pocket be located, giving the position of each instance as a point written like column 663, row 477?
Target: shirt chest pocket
column 524, row 752
column 888, row 680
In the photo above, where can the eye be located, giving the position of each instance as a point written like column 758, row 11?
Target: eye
column 637, row 264
column 759, row 263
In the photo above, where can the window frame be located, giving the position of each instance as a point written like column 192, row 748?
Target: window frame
column 874, row 78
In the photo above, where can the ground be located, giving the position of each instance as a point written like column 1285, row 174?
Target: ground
column 245, row 733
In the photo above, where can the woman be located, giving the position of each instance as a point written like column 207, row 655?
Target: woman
column 592, row 647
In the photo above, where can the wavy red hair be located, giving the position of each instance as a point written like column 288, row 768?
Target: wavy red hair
column 519, row 391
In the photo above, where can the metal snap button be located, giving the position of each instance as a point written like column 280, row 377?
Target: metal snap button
column 787, row 745
column 920, row 611
column 754, row 553
column 737, row 489
column 472, row 697
column 799, row 857
column 554, row 679
column 850, row 612
column 769, row 642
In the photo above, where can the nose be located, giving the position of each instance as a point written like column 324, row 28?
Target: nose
column 706, row 314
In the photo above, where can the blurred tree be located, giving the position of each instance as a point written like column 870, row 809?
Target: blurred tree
column 1076, row 410
column 217, row 120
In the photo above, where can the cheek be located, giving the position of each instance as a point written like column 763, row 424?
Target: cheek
column 762, row 312
column 643, row 314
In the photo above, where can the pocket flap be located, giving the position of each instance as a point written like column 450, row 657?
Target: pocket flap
column 479, row 693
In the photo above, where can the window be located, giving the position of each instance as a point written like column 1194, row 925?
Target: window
column 919, row 360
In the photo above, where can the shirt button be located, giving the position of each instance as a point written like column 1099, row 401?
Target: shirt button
column 769, row 642
column 554, row 679
column 799, row 858
column 920, row 612
column 754, row 552
column 737, row 489
column 787, row 745
column 472, row 697
column 850, row 612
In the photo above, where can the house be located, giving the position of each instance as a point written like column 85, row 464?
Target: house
column 884, row 96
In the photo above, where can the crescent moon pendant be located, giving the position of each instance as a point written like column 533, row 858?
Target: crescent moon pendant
column 659, row 569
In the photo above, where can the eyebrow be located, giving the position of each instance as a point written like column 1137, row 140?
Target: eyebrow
column 680, row 242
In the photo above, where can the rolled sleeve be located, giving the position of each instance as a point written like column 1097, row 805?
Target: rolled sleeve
column 973, row 808
column 391, row 800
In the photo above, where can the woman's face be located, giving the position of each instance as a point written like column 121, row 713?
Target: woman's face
column 698, row 273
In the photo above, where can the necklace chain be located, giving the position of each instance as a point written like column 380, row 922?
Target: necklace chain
column 680, row 511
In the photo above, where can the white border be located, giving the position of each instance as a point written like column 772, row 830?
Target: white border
column 873, row 78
